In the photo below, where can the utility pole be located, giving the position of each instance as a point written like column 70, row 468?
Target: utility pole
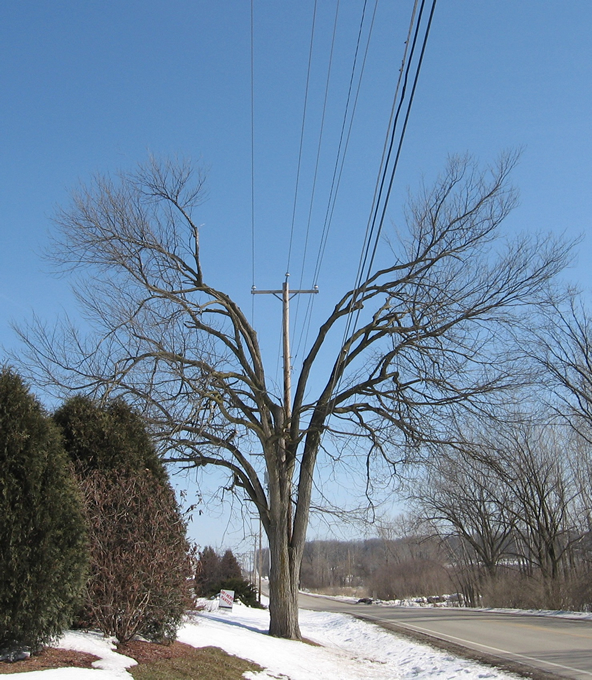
column 259, row 564
column 285, row 295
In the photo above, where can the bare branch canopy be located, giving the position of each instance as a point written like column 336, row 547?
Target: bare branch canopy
column 432, row 337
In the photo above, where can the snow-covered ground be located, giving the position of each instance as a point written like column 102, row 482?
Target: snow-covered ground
column 351, row 650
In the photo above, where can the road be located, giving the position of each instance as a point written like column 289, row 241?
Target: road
column 553, row 646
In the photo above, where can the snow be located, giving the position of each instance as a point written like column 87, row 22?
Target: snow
column 558, row 613
column 351, row 650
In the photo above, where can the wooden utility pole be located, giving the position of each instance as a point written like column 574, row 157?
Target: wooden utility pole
column 285, row 295
column 259, row 564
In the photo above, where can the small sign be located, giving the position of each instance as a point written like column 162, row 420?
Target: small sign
column 226, row 599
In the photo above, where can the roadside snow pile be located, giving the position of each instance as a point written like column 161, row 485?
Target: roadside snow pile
column 206, row 605
column 353, row 649
column 559, row 613
column 454, row 600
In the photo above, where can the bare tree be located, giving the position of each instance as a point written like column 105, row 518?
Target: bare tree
column 463, row 496
column 509, row 493
column 430, row 338
column 562, row 348
column 536, row 467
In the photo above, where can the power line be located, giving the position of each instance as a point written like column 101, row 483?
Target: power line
column 338, row 166
column 372, row 225
column 319, row 144
column 252, row 158
column 400, row 145
column 316, row 169
column 388, row 167
column 340, row 158
column 340, row 162
column 304, row 111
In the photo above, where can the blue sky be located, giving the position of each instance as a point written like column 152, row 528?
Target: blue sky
column 95, row 86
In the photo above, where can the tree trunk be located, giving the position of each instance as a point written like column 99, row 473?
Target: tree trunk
column 283, row 584
column 286, row 549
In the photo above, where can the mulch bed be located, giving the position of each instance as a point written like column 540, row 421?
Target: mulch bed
column 49, row 657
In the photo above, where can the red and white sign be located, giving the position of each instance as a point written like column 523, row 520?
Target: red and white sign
column 226, row 599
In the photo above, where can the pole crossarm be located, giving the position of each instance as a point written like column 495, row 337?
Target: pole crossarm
column 278, row 293
column 285, row 295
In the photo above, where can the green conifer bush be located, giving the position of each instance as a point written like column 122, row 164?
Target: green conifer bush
column 43, row 543
column 107, row 437
column 215, row 573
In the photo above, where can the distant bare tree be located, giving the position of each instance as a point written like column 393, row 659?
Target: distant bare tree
column 387, row 568
column 431, row 337
column 537, row 471
column 562, row 348
column 462, row 494
column 509, row 495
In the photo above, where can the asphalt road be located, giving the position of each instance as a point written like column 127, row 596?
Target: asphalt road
column 550, row 645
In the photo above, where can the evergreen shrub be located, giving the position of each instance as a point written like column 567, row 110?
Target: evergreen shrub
column 43, row 543
column 215, row 573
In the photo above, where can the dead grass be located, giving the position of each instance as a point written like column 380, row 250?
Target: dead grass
column 187, row 663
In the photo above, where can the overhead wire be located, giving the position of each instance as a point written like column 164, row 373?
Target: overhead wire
column 397, row 156
column 299, row 163
column 341, row 148
column 389, row 162
column 252, row 160
column 320, row 142
column 392, row 126
column 387, row 172
column 303, row 126
column 317, row 162
column 339, row 165
column 341, row 156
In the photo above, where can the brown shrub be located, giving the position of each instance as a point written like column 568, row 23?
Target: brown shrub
column 139, row 556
